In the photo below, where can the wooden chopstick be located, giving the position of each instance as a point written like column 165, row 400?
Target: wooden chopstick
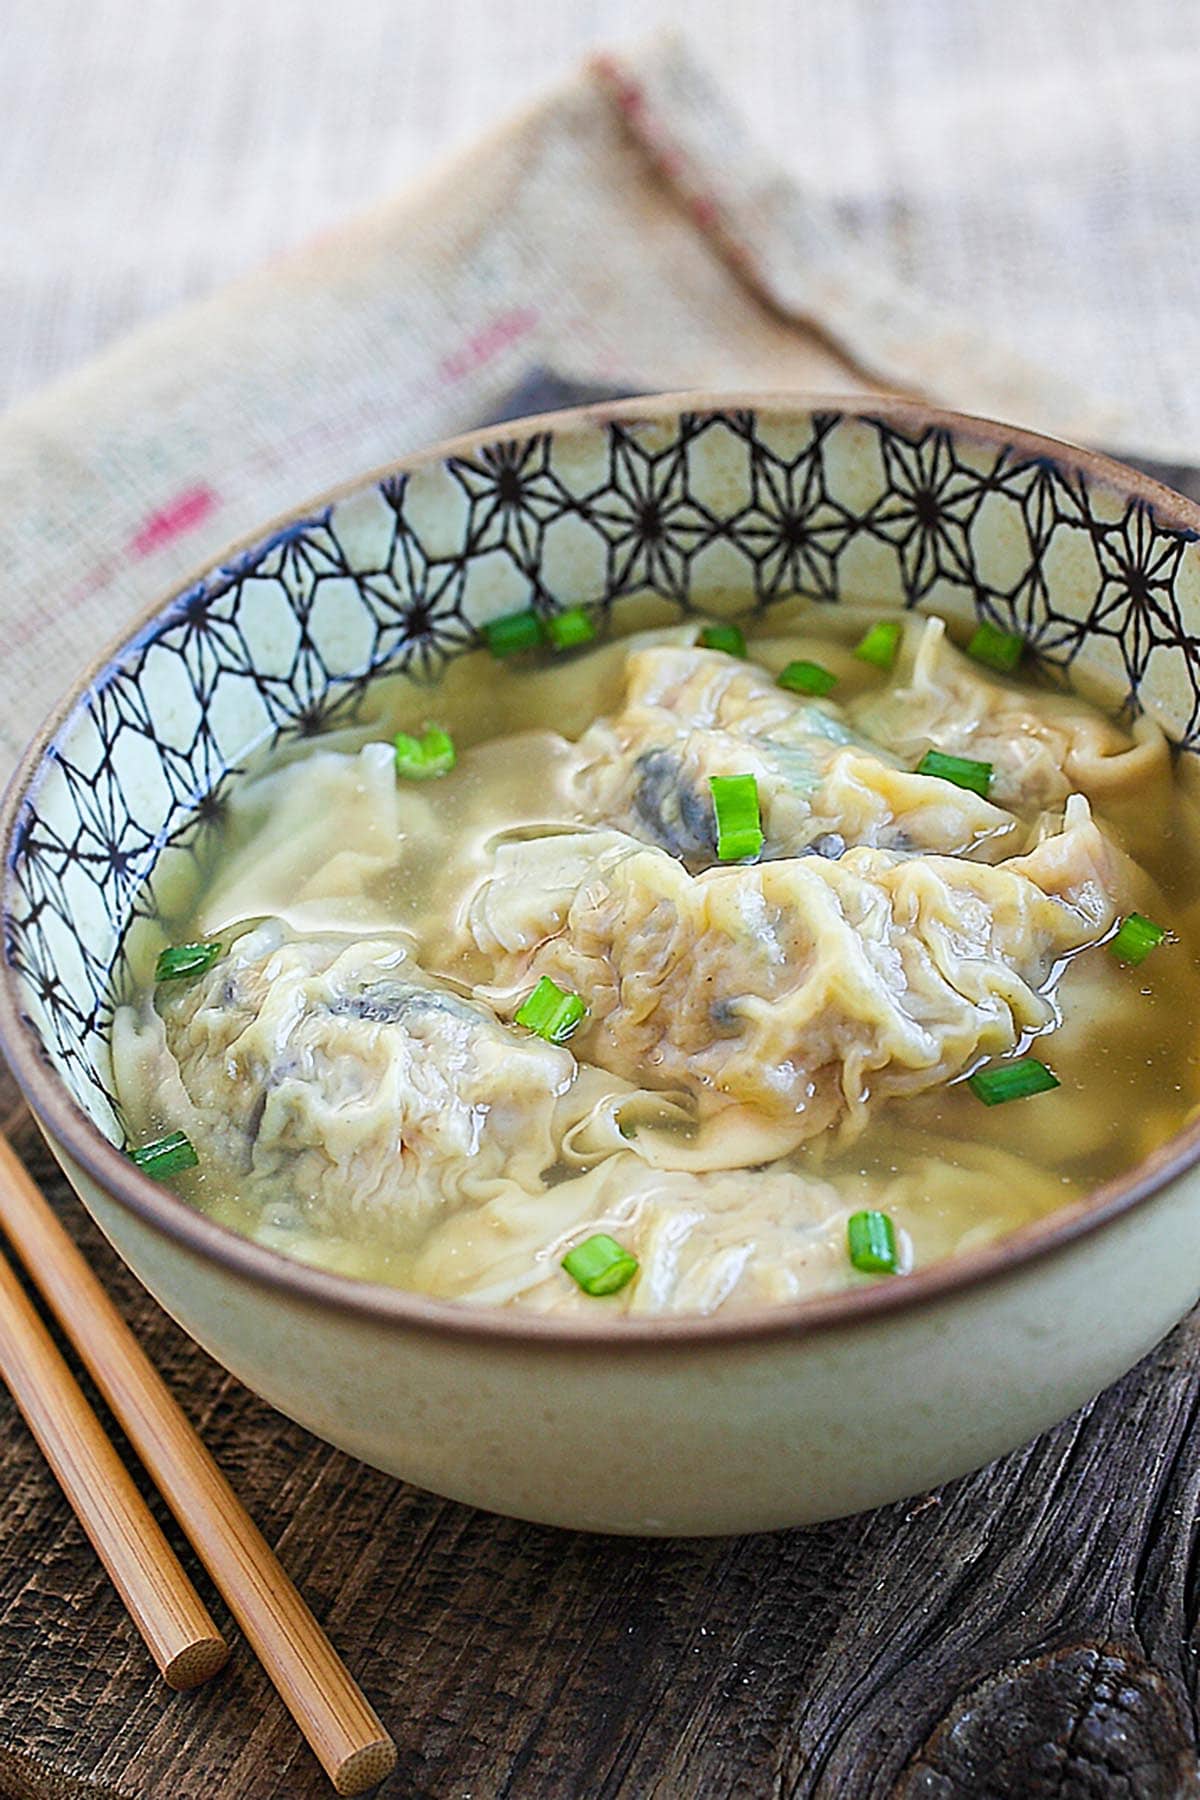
column 345, row 1734
column 125, row 1535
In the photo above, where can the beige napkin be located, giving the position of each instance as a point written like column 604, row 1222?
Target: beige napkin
column 624, row 233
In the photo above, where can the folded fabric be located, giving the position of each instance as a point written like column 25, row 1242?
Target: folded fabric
column 624, row 233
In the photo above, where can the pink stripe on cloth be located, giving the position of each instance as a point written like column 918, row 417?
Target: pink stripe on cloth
column 186, row 510
column 496, row 335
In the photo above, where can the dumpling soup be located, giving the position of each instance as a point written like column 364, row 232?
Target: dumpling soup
column 677, row 972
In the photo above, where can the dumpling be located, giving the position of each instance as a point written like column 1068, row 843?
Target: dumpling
column 689, row 714
column 702, row 1241
column 801, row 990
column 285, row 866
column 531, row 883
column 1039, row 754
column 338, row 1071
column 708, row 1242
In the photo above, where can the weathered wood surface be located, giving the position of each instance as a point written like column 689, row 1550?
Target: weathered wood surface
column 1028, row 1632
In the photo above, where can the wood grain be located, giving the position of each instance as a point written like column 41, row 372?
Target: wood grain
column 341, row 1728
column 1029, row 1633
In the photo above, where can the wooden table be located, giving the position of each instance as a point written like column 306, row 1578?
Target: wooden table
column 1028, row 1631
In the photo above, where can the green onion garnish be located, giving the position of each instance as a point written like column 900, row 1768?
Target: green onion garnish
column 1135, row 940
column 723, row 637
column 166, row 1155
column 185, row 959
column 963, row 771
column 739, row 828
column 515, row 631
column 807, row 678
column 568, row 629
column 418, row 759
column 1012, row 1081
column 871, row 1242
column 599, row 1265
column 998, row 649
column 881, row 643
column 550, row 1012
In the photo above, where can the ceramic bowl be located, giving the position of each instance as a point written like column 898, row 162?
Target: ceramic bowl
column 679, row 1425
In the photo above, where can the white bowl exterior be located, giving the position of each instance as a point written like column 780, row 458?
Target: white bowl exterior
column 669, row 1440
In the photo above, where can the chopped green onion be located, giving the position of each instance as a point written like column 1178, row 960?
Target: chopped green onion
column 1012, row 1081
column 871, row 1242
column 963, row 771
column 419, row 759
column 998, row 649
column 1137, row 937
column 739, row 827
column 723, row 637
column 166, row 1155
column 599, row 1265
column 807, row 678
column 550, row 1012
column 568, row 629
column 185, row 959
column 881, row 643
column 515, row 631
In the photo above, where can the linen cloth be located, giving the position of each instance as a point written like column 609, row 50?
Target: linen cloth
column 626, row 231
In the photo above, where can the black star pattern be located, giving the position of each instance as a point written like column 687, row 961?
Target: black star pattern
column 283, row 639
column 792, row 531
column 651, row 522
column 1135, row 600
column 1043, row 505
column 416, row 606
column 926, row 511
column 513, row 494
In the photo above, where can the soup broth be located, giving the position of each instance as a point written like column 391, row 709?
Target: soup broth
column 782, row 1079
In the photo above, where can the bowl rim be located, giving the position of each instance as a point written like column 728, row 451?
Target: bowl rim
column 70, row 1129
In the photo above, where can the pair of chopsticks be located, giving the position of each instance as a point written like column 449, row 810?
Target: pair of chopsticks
column 326, row 1703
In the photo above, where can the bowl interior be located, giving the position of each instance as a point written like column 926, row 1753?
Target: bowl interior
column 720, row 507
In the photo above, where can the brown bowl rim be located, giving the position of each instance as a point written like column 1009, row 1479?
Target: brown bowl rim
column 153, row 1205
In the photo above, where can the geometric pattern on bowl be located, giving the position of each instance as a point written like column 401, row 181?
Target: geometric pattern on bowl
column 722, row 510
